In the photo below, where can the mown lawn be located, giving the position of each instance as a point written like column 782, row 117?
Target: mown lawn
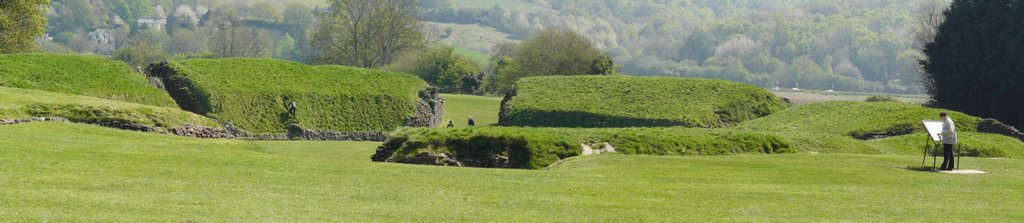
column 67, row 173
column 458, row 107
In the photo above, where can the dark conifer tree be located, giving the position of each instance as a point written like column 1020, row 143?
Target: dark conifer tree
column 976, row 63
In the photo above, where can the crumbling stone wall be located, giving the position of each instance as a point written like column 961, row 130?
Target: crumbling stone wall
column 988, row 125
column 429, row 110
column 506, row 106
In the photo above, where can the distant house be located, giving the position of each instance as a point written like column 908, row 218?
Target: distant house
column 157, row 24
column 103, row 40
column 45, row 38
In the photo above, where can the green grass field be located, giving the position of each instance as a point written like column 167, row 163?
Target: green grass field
column 627, row 101
column 251, row 94
column 459, row 107
column 78, row 74
column 23, row 103
column 99, row 174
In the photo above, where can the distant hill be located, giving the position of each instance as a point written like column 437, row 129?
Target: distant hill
column 252, row 93
column 83, row 75
column 809, row 44
column 624, row 101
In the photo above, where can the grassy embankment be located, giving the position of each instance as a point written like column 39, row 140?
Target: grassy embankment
column 535, row 148
column 99, row 174
column 622, row 101
column 23, row 103
column 82, row 75
column 828, row 127
column 251, row 94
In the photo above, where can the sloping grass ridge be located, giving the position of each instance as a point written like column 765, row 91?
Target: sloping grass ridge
column 534, row 148
column 626, row 101
column 856, row 119
column 82, row 75
column 252, row 93
column 23, row 103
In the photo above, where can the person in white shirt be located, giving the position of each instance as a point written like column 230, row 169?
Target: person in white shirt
column 948, row 137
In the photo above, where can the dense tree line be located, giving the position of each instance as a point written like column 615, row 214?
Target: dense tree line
column 145, row 31
column 858, row 45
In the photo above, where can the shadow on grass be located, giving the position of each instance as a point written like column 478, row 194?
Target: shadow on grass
column 921, row 168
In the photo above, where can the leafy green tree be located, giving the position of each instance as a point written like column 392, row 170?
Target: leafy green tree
column 555, row 52
column 64, row 37
column 974, row 62
column 298, row 15
column 187, row 41
column 21, row 21
column 76, row 15
column 367, row 33
column 140, row 54
column 442, row 68
column 265, row 11
column 285, row 47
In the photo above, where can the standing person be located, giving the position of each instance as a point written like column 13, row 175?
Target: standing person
column 292, row 107
column 471, row 122
column 948, row 137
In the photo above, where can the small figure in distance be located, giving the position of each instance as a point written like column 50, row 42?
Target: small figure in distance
column 948, row 137
column 471, row 122
column 292, row 107
column 450, row 124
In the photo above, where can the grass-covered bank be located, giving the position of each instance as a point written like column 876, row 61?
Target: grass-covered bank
column 99, row 174
column 23, row 103
column 252, row 93
column 535, row 148
column 82, row 75
column 856, row 119
column 625, row 101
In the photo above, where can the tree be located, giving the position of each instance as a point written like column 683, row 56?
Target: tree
column 21, row 21
column 298, row 15
column 76, row 15
column 367, row 33
column 555, row 52
column 265, row 11
column 285, row 48
column 140, row 54
column 187, row 41
column 928, row 22
column 975, row 59
column 441, row 67
column 64, row 37
column 229, row 37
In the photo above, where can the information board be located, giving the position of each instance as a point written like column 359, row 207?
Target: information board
column 934, row 128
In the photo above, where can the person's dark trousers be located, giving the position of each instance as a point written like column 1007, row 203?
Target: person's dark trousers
column 947, row 157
